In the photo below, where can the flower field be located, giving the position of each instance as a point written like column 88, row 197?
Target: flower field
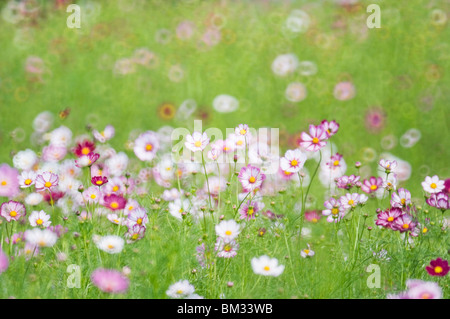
column 224, row 149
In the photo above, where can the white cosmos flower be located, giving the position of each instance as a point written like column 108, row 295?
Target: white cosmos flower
column 180, row 290
column 197, row 141
column 293, row 161
column 34, row 199
column 61, row 136
column 105, row 135
column 39, row 219
column 146, row 146
column 228, row 229
column 117, row 164
column 24, row 160
column 111, row 244
column 433, row 184
column 40, row 237
column 267, row 266
column 43, row 121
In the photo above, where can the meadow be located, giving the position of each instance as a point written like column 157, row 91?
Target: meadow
column 78, row 105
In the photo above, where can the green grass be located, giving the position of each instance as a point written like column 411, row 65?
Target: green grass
column 390, row 68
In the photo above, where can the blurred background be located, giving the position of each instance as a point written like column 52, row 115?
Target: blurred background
column 146, row 65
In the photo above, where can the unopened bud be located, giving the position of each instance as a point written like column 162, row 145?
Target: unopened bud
column 358, row 164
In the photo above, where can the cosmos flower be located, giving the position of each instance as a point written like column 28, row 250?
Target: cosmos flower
column 27, row 178
column 114, row 202
column 180, row 290
column 372, row 184
column 137, row 216
column 330, row 128
column 226, row 249
column 285, row 64
column 53, row 153
column 135, row 233
column 40, row 237
column 46, row 181
column 438, row 267
column 197, row 141
column 334, row 210
column 388, row 217
column 9, row 183
column 266, row 266
column 308, row 252
column 146, row 146
column 404, row 223
column 110, row 281
column 315, row 140
column 433, row 184
column 344, row 91
column 388, row 165
column 87, row 160
column 248, row 210
column 241, row 129
column 228, row 229
column 92, row 195
column 375, row 119
column 401, row 198
column 84, row 148
column 25, row 160
column 39, row 219
column 99, row 180
column 439, row 200
column 312, row 216
column 349, row 200
column 293, row 161
column 111, row 244
column 347, row 182
column 105, row 135
column 251, row 178
column 12, row 210
column 418, row 289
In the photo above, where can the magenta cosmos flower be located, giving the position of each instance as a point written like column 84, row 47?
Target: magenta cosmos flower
column 439, row 200
column 9, row 183
column 438, row 267
column 315, row 140
column 372, row 184
column 46, row 181
column 12, row 210
column 84, row 148
column 114, row 202
column 404, row 223
column 388, row 217
column 330, row 128
column 99, row 180
column 251, row 178
column 110, row 281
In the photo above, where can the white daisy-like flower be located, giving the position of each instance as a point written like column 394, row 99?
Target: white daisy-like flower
column 27, row 178
column 308, row 252
column 180, row 290
column 40, row 237
column 241, row 129
column 34, row 199
column 293, row 161
column 40, row 219
column 111, row 244
column 105, row 135
column 267, row 266
column 146, row 146
column 115, row 219
column 24, row 160
column 197, row 141
column 433, row 184
column 177, row 207
column 228, row 229
column 61, row 136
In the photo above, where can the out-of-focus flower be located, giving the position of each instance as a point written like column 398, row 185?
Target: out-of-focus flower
column 110, row 281
column 266, row 266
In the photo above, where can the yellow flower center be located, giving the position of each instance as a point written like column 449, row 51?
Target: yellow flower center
column 135, row 236
column 390, row 219
column 403, row 201
column 148, row 147
column 438, row 269
column 93, row 196
column 4, row 183
column 110, row 246
column 294, row 163
column 130, row 208
column 41, row 243
column 335, row 211
column 315, row 140
column 198, row 144
column 433, row 185
column 240, row 142
column 116, row 221
column 252, row 179
column 115, row 188
column 306, row 251
column 13, row 213
column 405, row 226
column 139, row 221
column 226, row 148
column 424, row 230
column 227, row 248
column 287, row 173
column 351, row 202
column 114, row 205
column 250, row 211
column 179, row 292
column 85, row 151
column 99, row 182
column 373, row 187
column 39, row 221
column 314, row 220
column 425, row 296
column 266, row 268
column 336, row 163
column 228, row 232
column 28, row 181
column 48, row 184
column 242, row 132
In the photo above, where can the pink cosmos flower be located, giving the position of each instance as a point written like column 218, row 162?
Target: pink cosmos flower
column 439, row 200
column 349, row 201
column 197, row 141
column 372, row 184
column 92, row 195
column 146, row 146
column 9, row 183
column 251, row 178
column 249, row 209
column 226, row 248
column 388, row 217
column 404, row 223
column 347, row 182
column 110, row 281
column 344, row 91
column 241, row 129
column 401, row 198
column 137, row 216
column 438, row 267
column 46, row 181
column 388, row 165
column 293, row 161
column 84, row 148
column 418, row 289
column 312, row 216
column 114, row 202
column 99, row 180
column 12, row 210
column 54, row 153
column 330, row 128
column 334, row 210
column 315, row 140
column 185, row 30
